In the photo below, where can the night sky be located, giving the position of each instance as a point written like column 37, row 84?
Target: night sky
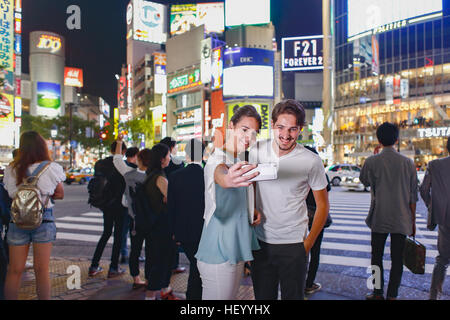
column 99, row 48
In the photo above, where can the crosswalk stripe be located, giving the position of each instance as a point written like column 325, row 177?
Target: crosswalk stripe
column 341, row 221
column 81, row 219
column 362, row 217
column 83, row 237
column 366, row 237
column 93, row 214
column 75, row 226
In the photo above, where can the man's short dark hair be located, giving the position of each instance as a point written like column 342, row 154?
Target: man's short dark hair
column 387, row 134
column 131, row 152
column 168, row 141
column 114, row 145
column 448, row 144
column 194, row 150
column 290, row 106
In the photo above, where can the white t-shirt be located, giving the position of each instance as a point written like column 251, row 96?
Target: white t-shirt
column 282, row 201
column 47, row 181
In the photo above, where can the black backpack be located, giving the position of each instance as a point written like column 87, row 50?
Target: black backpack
column 99, row 197
column 144, row 216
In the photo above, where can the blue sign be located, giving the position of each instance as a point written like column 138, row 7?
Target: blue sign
column 18, row 44
column 235, row 57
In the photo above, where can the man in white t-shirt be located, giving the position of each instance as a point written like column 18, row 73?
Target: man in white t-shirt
column 282, row 234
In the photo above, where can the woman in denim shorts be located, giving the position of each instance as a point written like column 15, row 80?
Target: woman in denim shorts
column 32, row 151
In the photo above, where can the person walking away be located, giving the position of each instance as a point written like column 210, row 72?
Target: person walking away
column 393, row 181
column 227, row 238
column 33, row 156
column 283, row 232
column 174, row 165
column 131, row 155
column 186, row 205
column 160, row 249
column 132, row 176
column 113, row 214
column 434, row 191
column 311, row 286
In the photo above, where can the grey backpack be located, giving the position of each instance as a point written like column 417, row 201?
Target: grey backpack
column 27, row 208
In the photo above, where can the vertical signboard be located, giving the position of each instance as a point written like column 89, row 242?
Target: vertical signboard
column 160, row 61
column 205, row 63
column 217, row 68
column 389, row 88
column 7, row 34
column 121, row 92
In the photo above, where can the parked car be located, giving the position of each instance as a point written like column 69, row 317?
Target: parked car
column 80, row 176
column 337, row 172
column 353, row 183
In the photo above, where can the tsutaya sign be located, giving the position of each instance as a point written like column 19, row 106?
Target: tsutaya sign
column 434, row 132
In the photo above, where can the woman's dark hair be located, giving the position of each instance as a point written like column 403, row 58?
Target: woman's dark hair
column 387, row 134
column 246, row 111
column 144, row 157
column 158, row 153
column 32, row 149
column 289, row 106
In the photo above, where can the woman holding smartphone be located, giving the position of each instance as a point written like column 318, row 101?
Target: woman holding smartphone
column 228, row 238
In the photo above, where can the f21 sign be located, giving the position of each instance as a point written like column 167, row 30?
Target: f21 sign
column 302, row 53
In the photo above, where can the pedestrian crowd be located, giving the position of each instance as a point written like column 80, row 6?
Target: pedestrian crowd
column 226, row 210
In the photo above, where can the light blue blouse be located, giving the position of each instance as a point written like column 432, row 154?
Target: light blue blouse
column 228, row 236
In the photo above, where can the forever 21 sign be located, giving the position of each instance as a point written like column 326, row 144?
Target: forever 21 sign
column 302, row 53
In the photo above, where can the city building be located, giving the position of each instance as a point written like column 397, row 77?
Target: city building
column 392, row 63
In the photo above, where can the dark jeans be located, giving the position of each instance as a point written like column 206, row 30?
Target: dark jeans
column 3, row 264
column 279, row 264
column 125, row 231
column 136, row 248
column 395, row 276
column 194, row 286
column 314, row 260
column 159, row 255
column 112, row 219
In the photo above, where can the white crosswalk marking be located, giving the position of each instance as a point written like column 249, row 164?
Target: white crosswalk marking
column 347, row 242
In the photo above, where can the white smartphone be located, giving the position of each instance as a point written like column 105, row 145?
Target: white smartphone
column 267, row 171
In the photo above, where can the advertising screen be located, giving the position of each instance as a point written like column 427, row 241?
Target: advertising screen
column 217, row 68
column 48, row 95
column 183, row 17
column 149, row 21
column 302, row 53
column 263, row 110
column 365, row 15
column 238, row 12
column 104, row 107
column 248, row 72
column 73, row 77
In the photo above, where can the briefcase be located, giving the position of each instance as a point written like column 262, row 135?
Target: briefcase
column 414, row 256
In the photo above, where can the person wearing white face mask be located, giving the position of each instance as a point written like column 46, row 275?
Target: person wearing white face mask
column 227, row 238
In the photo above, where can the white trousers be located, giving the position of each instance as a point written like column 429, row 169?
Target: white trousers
column 220, row 281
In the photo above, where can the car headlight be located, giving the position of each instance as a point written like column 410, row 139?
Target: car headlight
column 356, row 180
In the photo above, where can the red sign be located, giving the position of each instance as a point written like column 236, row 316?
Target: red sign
column 73, row 77
column 18, row 88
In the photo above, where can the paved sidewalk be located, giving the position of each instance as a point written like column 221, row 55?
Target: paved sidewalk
column 334, row 286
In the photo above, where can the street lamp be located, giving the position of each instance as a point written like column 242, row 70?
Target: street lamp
column 54, row 133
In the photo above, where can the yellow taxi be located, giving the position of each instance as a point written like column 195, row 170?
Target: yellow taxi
column 81, row 176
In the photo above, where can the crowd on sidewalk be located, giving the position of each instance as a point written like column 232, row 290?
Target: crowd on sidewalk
column 248, row 205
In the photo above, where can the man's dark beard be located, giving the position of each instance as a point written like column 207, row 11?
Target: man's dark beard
column 279, row 147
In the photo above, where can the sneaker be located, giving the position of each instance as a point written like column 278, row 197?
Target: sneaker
column 169, row 296
column 115, row 273
column 314, row 288
column 179, row 270
column 141, row 259
column 374, row 296
column 94, row 271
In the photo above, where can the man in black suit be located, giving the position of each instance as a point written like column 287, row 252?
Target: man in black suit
column 174, row 165
column 186, row 204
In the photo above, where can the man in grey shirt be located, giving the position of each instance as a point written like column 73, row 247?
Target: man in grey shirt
column 434, row 190
column 393, row 181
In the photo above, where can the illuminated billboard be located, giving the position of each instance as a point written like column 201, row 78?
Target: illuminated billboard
column 48, row 96
column 104, row 107
column 7, row 34
column 302, row 53
column 73, row 77
column 121, row 92
column 184, row 81
column 160, row 62
column 184, row 17
column 217, row 68
column 248, row 72
column 263, row 110
column 375, row 16
column 238, row 12
column 149, row 21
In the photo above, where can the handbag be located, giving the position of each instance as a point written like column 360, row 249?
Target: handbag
column 414, row 256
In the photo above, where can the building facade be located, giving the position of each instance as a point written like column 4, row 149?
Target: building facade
column 395, row 70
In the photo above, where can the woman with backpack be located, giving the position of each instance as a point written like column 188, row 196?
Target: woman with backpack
column 160, row 250
column 33, row 159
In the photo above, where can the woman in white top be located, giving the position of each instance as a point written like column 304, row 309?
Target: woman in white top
column 32, row 152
